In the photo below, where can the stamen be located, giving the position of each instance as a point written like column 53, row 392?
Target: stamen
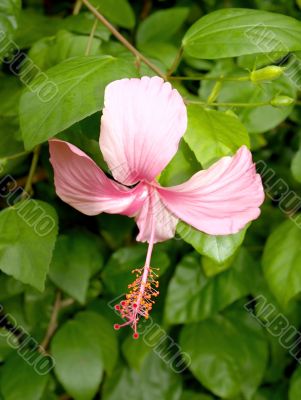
column 142, row 292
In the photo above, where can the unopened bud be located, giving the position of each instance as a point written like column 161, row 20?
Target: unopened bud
column 279, row 101
column 266, row 74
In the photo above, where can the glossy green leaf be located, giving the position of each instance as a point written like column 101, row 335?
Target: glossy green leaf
column 181, row 168
column 9, row 13
column 10, row 143
column 10, row 92
column 80, row 349
column 82, row 24
column 9, row 287
column 213, row 134
column 190, row 395
column 192, row 297
column 296, row 166
column 282, row 262
column 48, row 52
column 228, row 353
column 27, row 237
column 33, row 26
column 57, row 104
column 20, row 380
column 119, row 12
column 161, row 25
column 295, row 385
column 97, row 326
column 233, row 32
column 155, row 380
column 218, row 248
column 77, row 256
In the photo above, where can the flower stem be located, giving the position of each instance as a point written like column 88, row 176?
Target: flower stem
column 122, row 39
column 34, row 163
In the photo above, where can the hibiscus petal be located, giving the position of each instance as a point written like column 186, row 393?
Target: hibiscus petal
column 82, row 184
column 142, row 124
column 154, row 213
column 220, row 200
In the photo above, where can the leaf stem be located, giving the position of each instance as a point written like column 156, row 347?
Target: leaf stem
column 122, row 39
column 204, row 103
column 91, row 37
column 34, row 163
column 211, row 78
column 175, row 63
column 77, row 7
column 12, row 157
column 53, row 324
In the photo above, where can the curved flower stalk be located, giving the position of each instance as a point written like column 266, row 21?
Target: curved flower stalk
column 142, row 124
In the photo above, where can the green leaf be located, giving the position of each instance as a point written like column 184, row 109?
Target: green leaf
column 33, row 26
column 83, row 22
column 10, row 145
column 190, row 395
column 233, row 32
column 81, row 347
column 296, row 166
column 9, row 287
column 24, row 383
column 119, row 12
column 228, row 353
column 10, row 92
column 155, row 380
column 117, row 273
column 181, row 167
column 48, row 52
column 38, row 308
column 161, row 25
column 295, row 385
column 105, row 337
column 164, row 52
column 27, row 237
column 192, row 297
column 213, row 134
column 9, row 12
column 46, row 112
column 218, row 248
column 76, row 258
column 282, row 262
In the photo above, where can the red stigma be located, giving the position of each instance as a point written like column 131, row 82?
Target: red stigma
column 136, row 335
column 116, row 327
column 117, row 307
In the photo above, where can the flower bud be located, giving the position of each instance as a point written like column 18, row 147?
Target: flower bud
column 266, row 74
column 281, row 101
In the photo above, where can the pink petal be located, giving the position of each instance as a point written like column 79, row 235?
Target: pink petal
column 155, row 212
column 142, row 124
column 82, row 184
column 220, row 200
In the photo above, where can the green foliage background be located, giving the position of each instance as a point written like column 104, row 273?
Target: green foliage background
column 58, row 286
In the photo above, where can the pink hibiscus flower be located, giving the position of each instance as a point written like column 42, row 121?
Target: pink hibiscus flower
column 142, row 123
